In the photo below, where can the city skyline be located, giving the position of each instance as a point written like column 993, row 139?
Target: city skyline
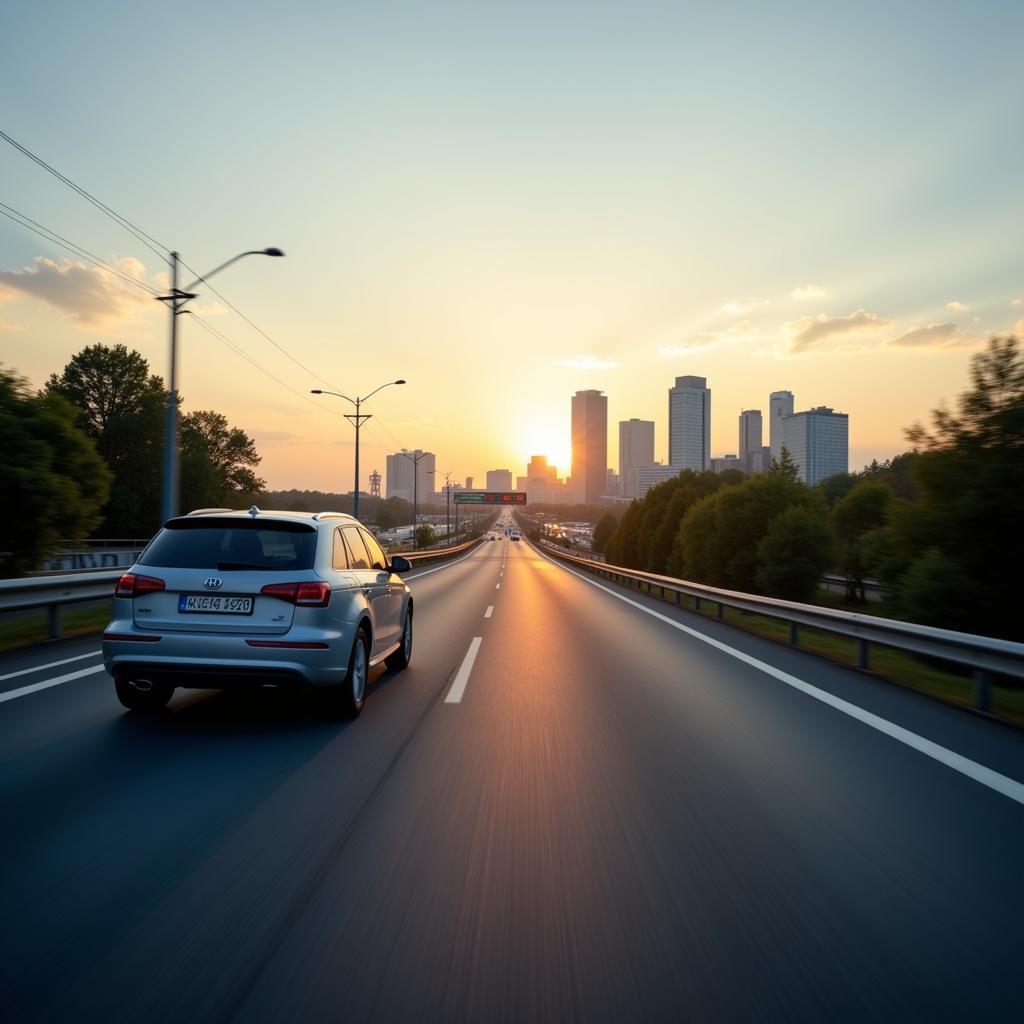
column 517, row 240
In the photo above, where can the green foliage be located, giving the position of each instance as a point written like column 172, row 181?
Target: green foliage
column 795, row 550
column 785, row 467
column 605, row 527
column 833, row 488
column 860, row 512
column 52, row 469
column 424, row 535
column 217, row 462
column 122, row 408
column 719, row 537
column 936, row 590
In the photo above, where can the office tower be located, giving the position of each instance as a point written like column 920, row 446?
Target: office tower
column 780, row 405
column 646, row 477
column 469, row 483
column 589, row 445
column 689, row 424
column 402, row 472
column 499, row 479
column 636, row 449
column 818, row 442
column 750, row 432
column 720, row 465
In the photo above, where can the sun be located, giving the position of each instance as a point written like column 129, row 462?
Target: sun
column 543, row 438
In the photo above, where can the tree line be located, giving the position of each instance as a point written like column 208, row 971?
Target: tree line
column 942, row 526
column 84, row 455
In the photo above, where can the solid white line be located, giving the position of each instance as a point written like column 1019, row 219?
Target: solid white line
column 489, row 612
column 965, row 766
column 459, row 686
column 438, row 568
column 49, row 665
column 47, row 683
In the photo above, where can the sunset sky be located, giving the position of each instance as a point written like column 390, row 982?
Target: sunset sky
column 507, row 203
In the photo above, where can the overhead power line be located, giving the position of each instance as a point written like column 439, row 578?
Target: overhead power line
column 148, row 240
column 76, row 250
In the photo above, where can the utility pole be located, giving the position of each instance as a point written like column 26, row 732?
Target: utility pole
column 357, row 418
column 447, row 510
column 414, row 458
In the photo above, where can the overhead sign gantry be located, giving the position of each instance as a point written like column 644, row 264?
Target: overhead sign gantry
column 490, row 497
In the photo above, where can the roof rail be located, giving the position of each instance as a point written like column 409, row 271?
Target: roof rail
column 207, row 511
column 331, row 515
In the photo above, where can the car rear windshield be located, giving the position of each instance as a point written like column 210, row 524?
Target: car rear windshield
column 243, row 544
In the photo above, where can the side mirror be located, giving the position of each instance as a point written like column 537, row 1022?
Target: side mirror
column 400, row 564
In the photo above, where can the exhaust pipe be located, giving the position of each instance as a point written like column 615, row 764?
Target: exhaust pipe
column 142, row 685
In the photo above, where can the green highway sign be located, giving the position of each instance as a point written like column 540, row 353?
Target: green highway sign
column 490, row 497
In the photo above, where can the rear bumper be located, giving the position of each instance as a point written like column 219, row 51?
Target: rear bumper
column 203, row 660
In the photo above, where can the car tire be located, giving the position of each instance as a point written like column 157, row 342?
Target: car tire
column 349, row 698
column 401, row 658
column 135, row 699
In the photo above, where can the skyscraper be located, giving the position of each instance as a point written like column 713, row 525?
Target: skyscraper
column 750, row 432
column 780, row 404
column 499, row 479
column 689, row 424
column 636, row 450
column 589, row 445
column 818, row 442
column 402, row 473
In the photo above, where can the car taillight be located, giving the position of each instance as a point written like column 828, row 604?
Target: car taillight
column 310, row 595
column 132, row 585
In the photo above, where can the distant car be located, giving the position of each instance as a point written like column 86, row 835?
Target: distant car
column 221, row 598
column 515, row 536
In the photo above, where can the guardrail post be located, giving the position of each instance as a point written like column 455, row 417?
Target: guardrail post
column 53, row 620
column 696, row 604
column 679, row 597
column 982, row 689
column 794, row 634
column 721, row 610
column 863, row 654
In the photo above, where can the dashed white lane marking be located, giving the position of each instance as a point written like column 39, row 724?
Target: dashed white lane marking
column 49, row 665
column 489, row 612
column 497, row 586
column 950, row 758
column 459, row 685
column 47, row 683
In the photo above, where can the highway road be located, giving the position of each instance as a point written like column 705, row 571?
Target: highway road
column 576, row 804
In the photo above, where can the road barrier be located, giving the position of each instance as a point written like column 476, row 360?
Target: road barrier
column 985, row 656
column 53, row 593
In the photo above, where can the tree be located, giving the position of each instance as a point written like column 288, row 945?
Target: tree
column 602, row 531
column 796, row 550
column 784, row 466
column 861, row 511
column 969, row 475
column 217, row 462
column 424, row 535
column 834, row 487
column 122, row 407
column 52, row 470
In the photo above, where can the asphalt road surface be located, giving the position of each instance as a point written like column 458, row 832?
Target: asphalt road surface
column 567, row 808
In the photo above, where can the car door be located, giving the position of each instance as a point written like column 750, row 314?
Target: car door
column 375, row 585
column 395, row 590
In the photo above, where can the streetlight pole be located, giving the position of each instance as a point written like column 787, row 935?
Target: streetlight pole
column 356, row 419
column 176, row 301
column 414, row 458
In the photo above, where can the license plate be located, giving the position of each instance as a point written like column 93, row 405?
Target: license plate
column 217, row 604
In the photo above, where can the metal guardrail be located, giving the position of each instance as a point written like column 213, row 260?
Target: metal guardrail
column 985, row 656
column 56, row 591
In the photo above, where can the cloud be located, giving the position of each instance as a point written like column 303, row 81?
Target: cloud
column 805, row 292
column 93, row 297
column 809, row 330
column 932, row 336
column 742, row 331
column 957, row 307
column 738, row 308
column 587, row 362
column 1016, row 302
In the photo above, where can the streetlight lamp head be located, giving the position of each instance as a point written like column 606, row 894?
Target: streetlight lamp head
column 399, row 381
column 273, row 251
column 316, row 391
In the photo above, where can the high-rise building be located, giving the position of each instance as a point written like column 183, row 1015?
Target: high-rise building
column 589, row 445
column 499, row 479
column 818, row 442
column 636, row 449
column 469, row 483
column 720, row 465
column 780, row 405
column 403, row 472
column 646, row 477
column 750, row 432
column 689, row 424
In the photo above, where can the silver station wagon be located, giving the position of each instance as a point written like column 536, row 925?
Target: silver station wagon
column 232, row 598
